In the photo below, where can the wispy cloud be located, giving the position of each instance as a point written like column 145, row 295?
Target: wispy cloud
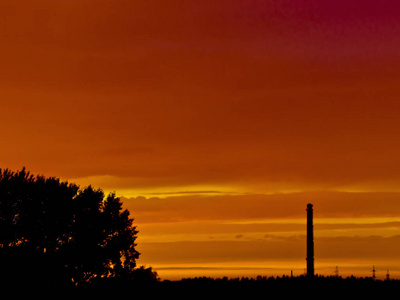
column 261, row 208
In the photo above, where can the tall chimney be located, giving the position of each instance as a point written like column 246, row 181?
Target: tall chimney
column 310, row 241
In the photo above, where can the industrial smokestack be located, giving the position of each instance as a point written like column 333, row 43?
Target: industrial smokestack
column 310, row 241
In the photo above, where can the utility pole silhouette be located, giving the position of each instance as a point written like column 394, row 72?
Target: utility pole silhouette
column 310, row 242
column 373, row 273
column 337, row 272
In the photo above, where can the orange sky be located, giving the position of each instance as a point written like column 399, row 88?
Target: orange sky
column 217, row 121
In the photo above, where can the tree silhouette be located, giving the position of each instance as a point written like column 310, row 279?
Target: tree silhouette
column 53, row 232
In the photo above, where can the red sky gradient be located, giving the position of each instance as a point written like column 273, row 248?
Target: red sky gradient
column 217, row 121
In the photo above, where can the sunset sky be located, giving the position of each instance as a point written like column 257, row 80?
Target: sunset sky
column 216, row 122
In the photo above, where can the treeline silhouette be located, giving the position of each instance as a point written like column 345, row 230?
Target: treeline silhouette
column 284, row 287
column 56, row 234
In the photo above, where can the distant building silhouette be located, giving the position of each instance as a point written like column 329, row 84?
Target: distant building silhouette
column 310, row 241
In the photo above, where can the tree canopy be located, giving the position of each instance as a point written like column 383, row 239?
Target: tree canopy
column 53, row 231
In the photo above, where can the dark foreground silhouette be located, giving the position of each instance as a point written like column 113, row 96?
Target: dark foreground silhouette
column 208, row 288
column 55, row 235
column 319, row 287
column 56, row 239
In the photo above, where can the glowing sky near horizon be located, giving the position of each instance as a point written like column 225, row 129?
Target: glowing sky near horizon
column 216, row 121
